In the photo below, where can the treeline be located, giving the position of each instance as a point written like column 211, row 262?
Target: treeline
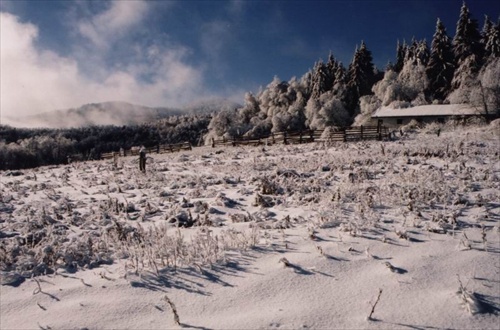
column 27, row 148
column 465, row 69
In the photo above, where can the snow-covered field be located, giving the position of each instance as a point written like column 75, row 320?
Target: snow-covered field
column 283, row 236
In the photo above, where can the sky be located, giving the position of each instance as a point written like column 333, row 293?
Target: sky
column 63, row 54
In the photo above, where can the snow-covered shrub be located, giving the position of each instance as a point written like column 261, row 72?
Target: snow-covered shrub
column 387, row 89
column 407, row 86
column 368, row 105
column 326, row 111
column 412, row 125
column 413, row 80
column 432, row 128
column 400, row 104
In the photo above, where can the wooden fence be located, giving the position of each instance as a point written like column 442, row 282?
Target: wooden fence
column 344, row 134
column 160, row 149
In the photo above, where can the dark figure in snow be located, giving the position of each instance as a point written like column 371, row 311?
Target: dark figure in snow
column 142, row 159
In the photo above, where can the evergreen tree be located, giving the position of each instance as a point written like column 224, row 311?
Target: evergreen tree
column 422, row 53
column 361, row 76
column 411, row 51
column 440, row 67
column 331, row 68
column 319, row 79
column 400, row 56
column 466, row 47
column 490, row 39
column 339, row 86
column 485, row 32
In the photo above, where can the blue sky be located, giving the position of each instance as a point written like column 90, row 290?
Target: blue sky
column 60, row 54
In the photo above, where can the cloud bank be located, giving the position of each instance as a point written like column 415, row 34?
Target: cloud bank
column 35, row 80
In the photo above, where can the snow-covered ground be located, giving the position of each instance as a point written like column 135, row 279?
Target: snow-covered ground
column 296, row 236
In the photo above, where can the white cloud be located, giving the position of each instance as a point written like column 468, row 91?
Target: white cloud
column 35, row 80
column 105, row 27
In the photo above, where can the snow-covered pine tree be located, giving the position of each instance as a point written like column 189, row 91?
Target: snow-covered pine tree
column 400, row 56
column 440, row 67
column 422, row 53
column 361, row 77
column 331, row 67
column 411, row 51
column 488, row 24
column 467, row 48
column 319, row 79
column 340, row 83
column 491, row 40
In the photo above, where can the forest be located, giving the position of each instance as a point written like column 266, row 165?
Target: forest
column 462, row 69
column 28, row 148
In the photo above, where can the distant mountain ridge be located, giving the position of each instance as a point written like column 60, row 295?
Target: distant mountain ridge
column 116, row 113
column 106, row 113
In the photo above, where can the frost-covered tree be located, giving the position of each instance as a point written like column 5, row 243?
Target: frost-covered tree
column 388, row 89
column 483, row 93
column 340, row 84
column 306, row 84
column 489, row 78
column 328, row 110
column 490, row 39
column 440, row 67
column 467, row 48
column 368, row 105
column 422, row 53
column 361, row 71
column 360, row 77
column 400, row 56
column 250, row 109
column 331, row 67
column 410, row 52
column 296, row 109
column 320, row 80
column 223, row 123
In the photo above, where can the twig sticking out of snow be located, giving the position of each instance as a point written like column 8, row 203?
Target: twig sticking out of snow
column 39, row 290
column 465, row 242
column 472, row 304
column 285, row 262
column 390, row 267
column 369, row 318
column 174, row 310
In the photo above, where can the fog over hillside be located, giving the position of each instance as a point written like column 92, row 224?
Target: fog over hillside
column 116, row 113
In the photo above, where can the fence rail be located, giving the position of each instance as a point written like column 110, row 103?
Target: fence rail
column 160, row 149
column 344, row 134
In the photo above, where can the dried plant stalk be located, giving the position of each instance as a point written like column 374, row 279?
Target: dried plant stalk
column 374, row 305
column 174, row 310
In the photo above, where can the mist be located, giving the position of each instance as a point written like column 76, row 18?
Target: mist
column 35, row 80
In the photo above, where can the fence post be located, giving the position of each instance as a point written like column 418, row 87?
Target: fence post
column 345, row 134
column 311, row 135
column 272, row 134
column 158, row 149
column 213, row 143
column 361, row 132
column 284, row 137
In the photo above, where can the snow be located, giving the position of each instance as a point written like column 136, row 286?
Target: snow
column 428, row 110
column 414, row 217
